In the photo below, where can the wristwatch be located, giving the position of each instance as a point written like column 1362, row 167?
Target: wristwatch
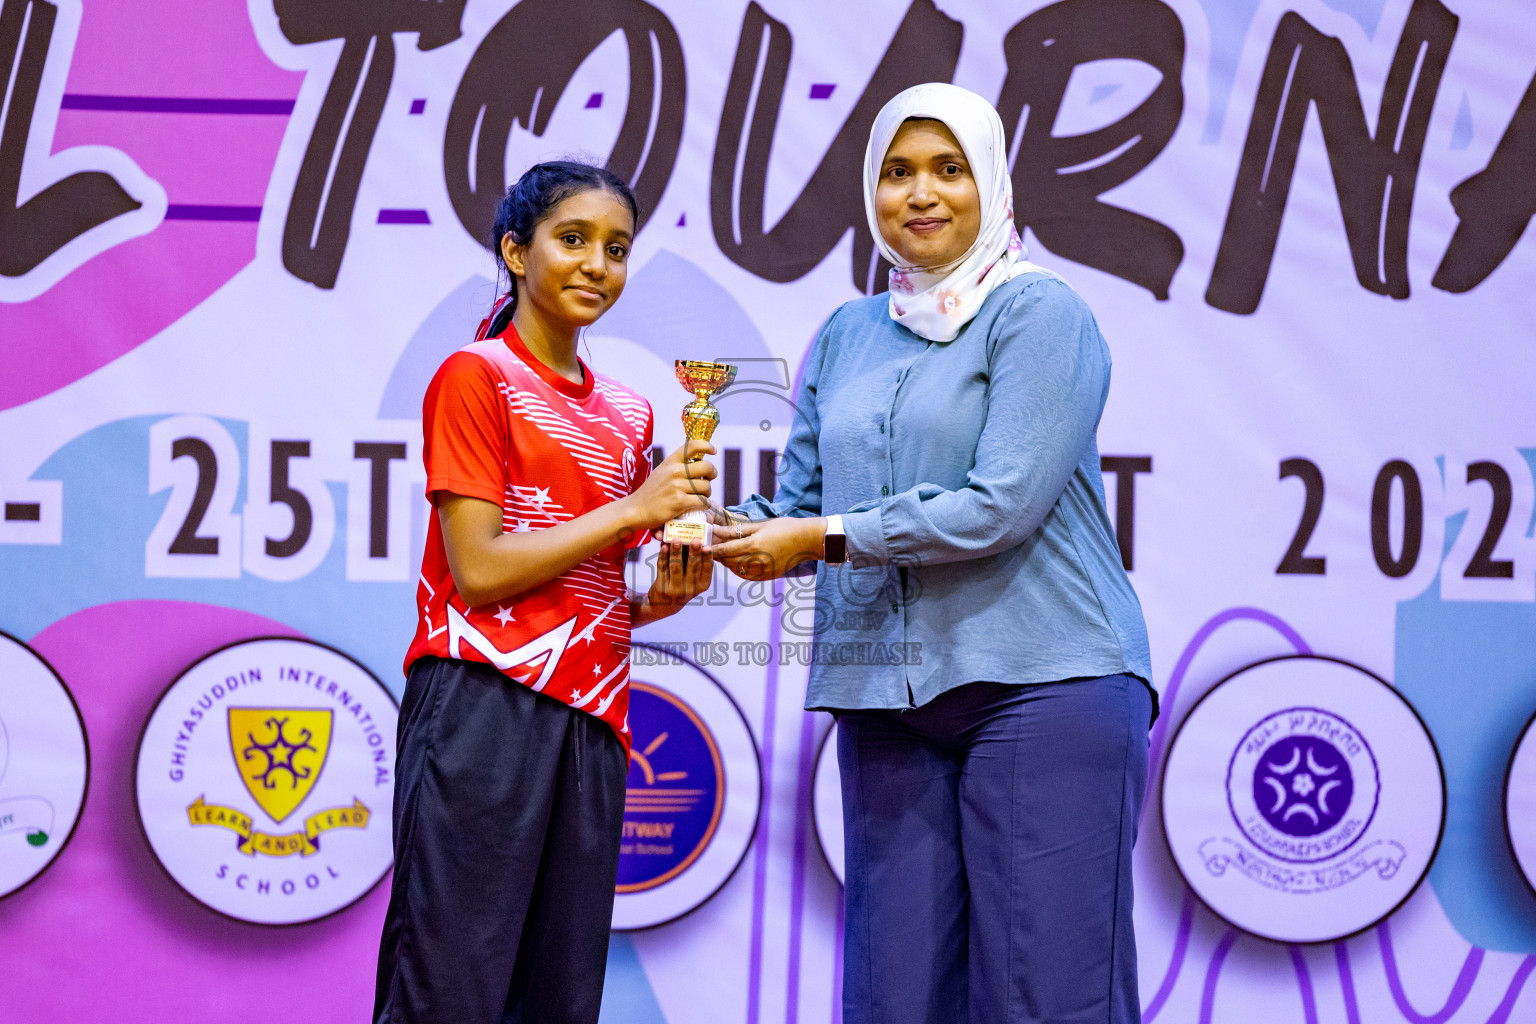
column 835, row 545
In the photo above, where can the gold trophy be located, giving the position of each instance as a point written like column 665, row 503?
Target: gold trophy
column 700, row 418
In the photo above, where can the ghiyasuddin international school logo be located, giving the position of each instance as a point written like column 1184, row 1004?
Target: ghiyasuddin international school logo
column 280, row 753
column 694, row 790
column 44, row 765
column 266, row 779
column 1303, row 799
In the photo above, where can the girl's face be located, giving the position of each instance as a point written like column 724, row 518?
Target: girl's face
column 927, row 203
column 574, row 267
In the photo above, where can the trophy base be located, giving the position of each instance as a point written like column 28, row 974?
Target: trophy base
column 689, row 527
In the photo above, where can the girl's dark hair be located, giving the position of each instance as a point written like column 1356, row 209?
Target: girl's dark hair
column 531, row 198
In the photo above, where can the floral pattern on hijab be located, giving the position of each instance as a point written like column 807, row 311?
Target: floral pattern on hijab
column 935, row 302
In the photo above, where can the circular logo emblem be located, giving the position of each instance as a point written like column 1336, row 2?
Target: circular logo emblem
column 629, row 466
column 694, row 789
column 1520, row 803
column 827, row 804
column 1303, row 799
column 44, row 765
column 1303, row 785
column 266, row 778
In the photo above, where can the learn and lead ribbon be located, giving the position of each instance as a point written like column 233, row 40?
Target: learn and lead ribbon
column 253, row 841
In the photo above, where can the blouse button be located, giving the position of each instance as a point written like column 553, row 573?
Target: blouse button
column 882, row 428
column 885, row 490
column 895, row 609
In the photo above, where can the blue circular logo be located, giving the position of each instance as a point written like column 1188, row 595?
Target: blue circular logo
column 1302, row 785
column 676, row 790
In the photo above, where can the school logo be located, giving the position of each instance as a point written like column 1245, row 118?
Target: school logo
column 1520, row 803
column 694, row 789
column 44, row 765
column 266, row 780
column 1303, row 799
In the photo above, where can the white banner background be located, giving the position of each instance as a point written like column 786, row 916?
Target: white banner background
column 187, row 306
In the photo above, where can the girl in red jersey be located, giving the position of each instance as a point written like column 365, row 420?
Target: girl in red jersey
column 514, row 731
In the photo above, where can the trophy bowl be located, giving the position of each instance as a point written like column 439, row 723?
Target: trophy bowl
column 704, row 378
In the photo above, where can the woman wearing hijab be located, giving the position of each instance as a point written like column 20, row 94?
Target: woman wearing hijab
column 944, row 469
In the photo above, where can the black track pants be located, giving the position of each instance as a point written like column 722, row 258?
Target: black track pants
column 508, row 809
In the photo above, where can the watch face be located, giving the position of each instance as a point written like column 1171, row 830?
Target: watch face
column 836, row 548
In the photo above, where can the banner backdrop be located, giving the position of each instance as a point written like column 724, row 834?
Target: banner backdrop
column 237, row 239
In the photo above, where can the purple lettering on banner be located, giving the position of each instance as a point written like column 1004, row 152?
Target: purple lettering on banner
column 404, row 217
column 183, row 211
column 174, row 104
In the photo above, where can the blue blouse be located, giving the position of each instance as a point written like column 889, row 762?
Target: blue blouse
column 967, row 474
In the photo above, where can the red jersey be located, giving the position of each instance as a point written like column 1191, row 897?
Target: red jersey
column 501, row 426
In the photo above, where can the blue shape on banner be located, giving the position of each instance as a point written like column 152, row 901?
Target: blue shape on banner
column 822, row 90
column 652, row 314
column 1366, row 12
column 682, row 220
column 1461, row 130
column 109, row 514
column 449, row 327
column 594, row 101
column 1230, row 22
column 418, row 106
column 1469, row 669
column 1103, row 92
column 627, row 994
column 1529, row 454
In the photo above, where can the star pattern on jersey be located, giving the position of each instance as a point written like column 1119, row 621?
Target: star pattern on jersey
column 572, row 455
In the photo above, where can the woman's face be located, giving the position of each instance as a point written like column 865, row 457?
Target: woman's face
column 927, row 203
column 574, row 267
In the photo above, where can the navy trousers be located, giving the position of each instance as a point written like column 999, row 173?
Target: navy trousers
column 508, row 811
column 988, row 837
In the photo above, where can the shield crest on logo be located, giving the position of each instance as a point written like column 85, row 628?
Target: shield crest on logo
column 279, row 753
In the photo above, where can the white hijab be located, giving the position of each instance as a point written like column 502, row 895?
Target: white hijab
column 935, row 302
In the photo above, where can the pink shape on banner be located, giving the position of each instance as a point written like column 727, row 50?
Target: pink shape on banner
column 127, row 295
column 104, row 934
